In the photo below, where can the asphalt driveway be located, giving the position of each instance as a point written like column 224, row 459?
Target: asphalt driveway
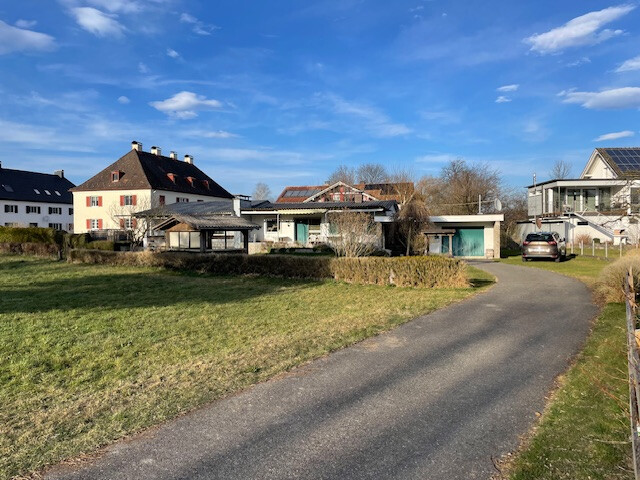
column 436, row 398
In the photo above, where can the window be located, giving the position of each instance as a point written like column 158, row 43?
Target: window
column 94, row 201
column 115, row 176
column 184, row 240
column 37, row 191
column 8, row 188
column 34, row 224
column 128, row 200
column 55, row 211
column 10, row 224
column 190, row 180
column 11, row 209
column 56, row 226
column 47, row 192
column 271, row 225
column 206, row 184
column 172, row 177
column 201, row 200
column 71, row 211
column 128, row 223
column 31, row 209
column 182, row 200
column 71, row 227
column 94, row 224
column 161, row 200
column 57, row 193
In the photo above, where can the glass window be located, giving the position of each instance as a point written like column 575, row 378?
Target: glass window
column 589, row 199
column 194, row 239
column 271, row 225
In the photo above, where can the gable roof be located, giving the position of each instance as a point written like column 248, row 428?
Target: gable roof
column 21, row 185
column 375, row 191
column 143, row 170
column 339, row 184
column 300, row 193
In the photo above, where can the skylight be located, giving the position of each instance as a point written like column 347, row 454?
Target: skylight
column 47, row 192
column 8, row 188
column 57, row 193
column 37, row 191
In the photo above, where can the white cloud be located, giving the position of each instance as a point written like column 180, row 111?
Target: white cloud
column 97, row 22
column 582, row 30
column 508, row 88
column 502, row 99
column 123, row 100
column 219, row 134
column 185, row 104
column 26, row 23
column 197, row 26
column 615, row 135
column 436, row 158
column 578, row 62
column 172, row 53
column 614, row 99
column 143, row 68
column 14, row 39
column 124, row 6
column 375, row 122
column 630, row 65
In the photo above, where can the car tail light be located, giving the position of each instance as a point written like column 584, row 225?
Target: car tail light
column 526, row 243
column 552, row 242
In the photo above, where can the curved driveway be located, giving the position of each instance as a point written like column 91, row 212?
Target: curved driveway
column 436, row 398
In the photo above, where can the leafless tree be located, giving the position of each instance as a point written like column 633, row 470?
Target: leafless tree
column 411, row 220
column 261, row 191
column 343, row 174
column 403, row 180
column 136, row 228
column 561, row 169
column 372, row 173
column 356, row 233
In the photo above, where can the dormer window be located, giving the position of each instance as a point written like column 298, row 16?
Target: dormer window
column 206, row 184
column 115, row 176
column 190, row 180
column 172, row 177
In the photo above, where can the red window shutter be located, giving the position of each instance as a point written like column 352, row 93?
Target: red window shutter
column 88, row 201
column 122, row 200
column 122, row 223
column 134, row 199
column 99, row 201
column 134, row 223
column 100, row 223
column 88, row 223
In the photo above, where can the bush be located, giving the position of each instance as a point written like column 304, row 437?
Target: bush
column 611, row 281
column 101, row 245
column 79, row 240
column 30, row 235
column 30, row 248
column 583, row 238
column 400, row 271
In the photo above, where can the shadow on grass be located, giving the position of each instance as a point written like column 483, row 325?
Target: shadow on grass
column 89, row 287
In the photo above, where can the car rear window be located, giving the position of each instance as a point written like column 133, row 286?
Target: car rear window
column 539, row 237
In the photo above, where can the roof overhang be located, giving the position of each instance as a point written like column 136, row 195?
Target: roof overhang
column 466, row 218
column 581, row 182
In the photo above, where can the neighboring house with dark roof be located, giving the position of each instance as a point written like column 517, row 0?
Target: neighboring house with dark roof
column 604, row 202
column 342, row 192
column 35, row 199
column 138, row 181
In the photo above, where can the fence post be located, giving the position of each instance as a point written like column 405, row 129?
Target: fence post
column 572, row 248
column 593, row 247
column 621, row 247
column 581, row 247
column 606, row 249
column 633, row 361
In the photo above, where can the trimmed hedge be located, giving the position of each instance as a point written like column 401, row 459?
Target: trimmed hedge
column 437, row 272
column 30, row 248
column 30, row 235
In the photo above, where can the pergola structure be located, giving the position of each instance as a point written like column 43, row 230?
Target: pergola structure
column 435, row 231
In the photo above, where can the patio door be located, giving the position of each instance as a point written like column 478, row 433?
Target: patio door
column 302, row 232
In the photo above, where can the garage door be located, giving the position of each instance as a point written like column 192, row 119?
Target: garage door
column 467, row 242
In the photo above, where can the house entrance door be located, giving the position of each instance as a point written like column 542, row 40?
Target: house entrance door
column 302, row 232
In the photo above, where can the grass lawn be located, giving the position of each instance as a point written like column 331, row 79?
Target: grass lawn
column 584, row 432
column 93, row 353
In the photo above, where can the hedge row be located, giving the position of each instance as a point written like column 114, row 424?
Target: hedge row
column 400, row 271
column 30, row 248
column 30, row 235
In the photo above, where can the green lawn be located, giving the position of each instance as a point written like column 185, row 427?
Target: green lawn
column 584, row 432
column 92, row 353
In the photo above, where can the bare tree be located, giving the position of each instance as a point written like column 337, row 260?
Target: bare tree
column 372, row 173
column 343, row 174
column 411, row 220
column 356, row 233
column 561, row 169
column 402, row 179
column 261, row 191
column 135, row 227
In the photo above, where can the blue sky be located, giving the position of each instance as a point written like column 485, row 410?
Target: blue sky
column 282, row 92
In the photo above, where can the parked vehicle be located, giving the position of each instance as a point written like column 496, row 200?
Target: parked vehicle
column 544, row 245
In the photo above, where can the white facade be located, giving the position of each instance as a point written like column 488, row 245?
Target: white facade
column 13, row 213
column 490, row 225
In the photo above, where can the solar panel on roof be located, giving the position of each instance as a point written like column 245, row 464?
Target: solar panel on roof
column 627, row 159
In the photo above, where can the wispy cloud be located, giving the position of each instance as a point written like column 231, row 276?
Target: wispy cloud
column 219, row 134
column 583, row 30
column 614, row 135
column 143, row 68
column 184, row 105
column 25, row 23
column 613, row 99
column 172, row 53
column 14, row 39
column 508, row 88
column 436, row 158
column 630, row 65
column 123, row 100
column 374, row 121
column 502, row 99
column 197, row 26
column 97, row 22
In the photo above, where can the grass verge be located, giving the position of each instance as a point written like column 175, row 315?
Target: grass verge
column 584, row 432
column 92, row 353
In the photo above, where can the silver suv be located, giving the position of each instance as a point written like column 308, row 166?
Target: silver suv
column 544, row 245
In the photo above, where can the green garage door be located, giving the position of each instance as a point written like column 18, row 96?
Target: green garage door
column 467, row 242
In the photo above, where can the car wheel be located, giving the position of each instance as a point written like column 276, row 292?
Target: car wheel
column 557, row 259
column 524, row 259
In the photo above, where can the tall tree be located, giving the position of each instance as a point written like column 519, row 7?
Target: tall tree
column 343, row 174
column 561, row 169
column 372, row 173
column 261, row 192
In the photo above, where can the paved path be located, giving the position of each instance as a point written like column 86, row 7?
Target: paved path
column 433, row 399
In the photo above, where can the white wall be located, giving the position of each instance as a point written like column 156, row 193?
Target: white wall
column 43, row 219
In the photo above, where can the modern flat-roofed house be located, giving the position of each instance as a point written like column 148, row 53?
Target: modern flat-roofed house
column 139, row 181
column 33, row 199
column 604, row 202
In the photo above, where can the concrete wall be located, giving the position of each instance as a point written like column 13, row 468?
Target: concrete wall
column 43, row 219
